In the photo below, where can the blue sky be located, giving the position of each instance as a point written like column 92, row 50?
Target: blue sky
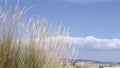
column 95, row 18
column 97, row 22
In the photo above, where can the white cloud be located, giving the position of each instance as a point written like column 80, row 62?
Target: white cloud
column 93, row 42
column 87, row 1
column 89, row 42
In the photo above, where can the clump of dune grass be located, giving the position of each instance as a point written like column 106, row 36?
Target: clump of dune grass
column 30, row 42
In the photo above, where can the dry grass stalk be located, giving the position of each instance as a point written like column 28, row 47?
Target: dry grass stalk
column 29, row 44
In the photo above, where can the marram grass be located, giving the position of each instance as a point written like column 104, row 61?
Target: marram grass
column 30, row 43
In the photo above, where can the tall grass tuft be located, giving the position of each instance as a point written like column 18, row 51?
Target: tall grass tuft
column 30, row 42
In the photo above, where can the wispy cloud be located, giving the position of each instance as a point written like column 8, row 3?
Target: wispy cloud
column 86, row 1
column 89, row 42
column 92, row 42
